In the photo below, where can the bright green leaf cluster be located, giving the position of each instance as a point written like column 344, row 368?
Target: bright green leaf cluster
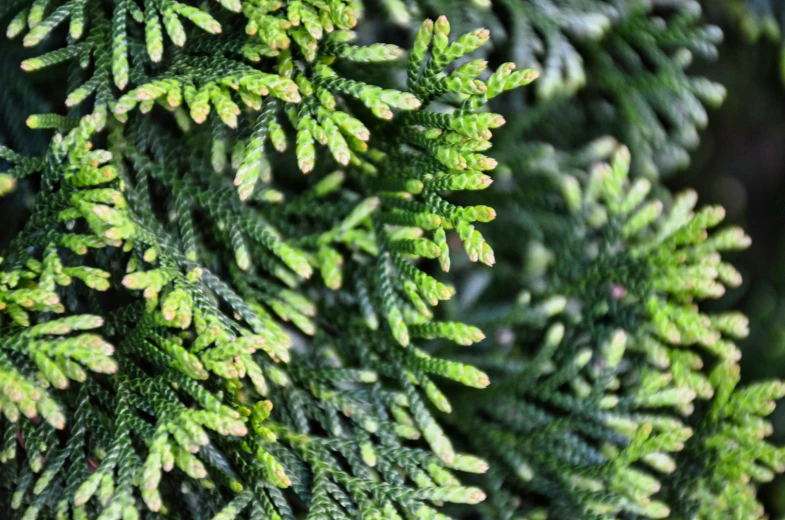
column 209, row 291
column 225, row 304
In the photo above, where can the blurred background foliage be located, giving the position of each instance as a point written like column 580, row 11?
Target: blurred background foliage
column 740, row 164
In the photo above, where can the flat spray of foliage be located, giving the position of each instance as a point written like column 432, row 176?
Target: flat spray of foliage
column 225, row 300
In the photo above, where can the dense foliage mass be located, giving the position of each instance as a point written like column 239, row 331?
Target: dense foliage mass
column 227, row 299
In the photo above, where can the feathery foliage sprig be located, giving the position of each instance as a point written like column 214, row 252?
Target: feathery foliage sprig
column 608, row 378
column 619, row 68
column 208, row 301
column 225, row 299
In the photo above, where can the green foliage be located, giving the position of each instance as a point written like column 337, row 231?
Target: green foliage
column 761, row 19
column 608, row 378
column 620, row 68
column 221, row 302
column 758, row 20
column 210, row 300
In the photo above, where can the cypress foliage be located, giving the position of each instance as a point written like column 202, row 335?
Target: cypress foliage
column 613, row 391
column 225, row 301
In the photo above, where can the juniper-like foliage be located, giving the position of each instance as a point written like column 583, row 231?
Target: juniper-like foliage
column 223, row 300
column 609, row 68
column 613, row 391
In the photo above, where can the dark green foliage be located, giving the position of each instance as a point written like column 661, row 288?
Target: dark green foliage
column 191, row 327
column 609, row 382
column 612, row 68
